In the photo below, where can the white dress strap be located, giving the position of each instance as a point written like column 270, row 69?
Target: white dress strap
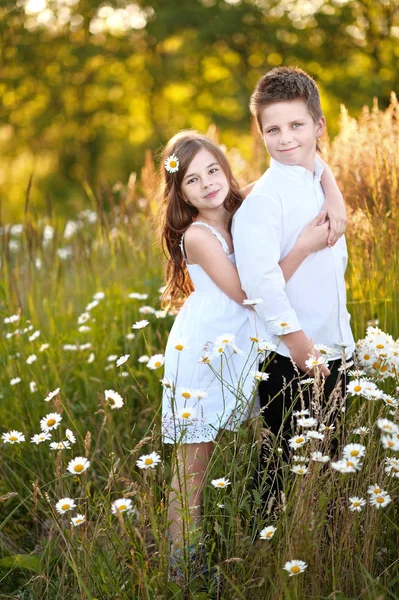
column 182, row 248
column 221, row 239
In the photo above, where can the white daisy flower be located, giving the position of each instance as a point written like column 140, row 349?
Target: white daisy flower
column 112, row 358
column 172, row 163
column 357, row 373
column 301, row 413
column 140, row 324
column 353, row 451
column 254, row 302
column 392, row 467
column 200, row 394
column 380, row 501
column 187, row 413
column 319, row 457
column 259, row 376
column 267, row 532
column 130, row 336
column 225, row 338
column 32, row 387
column 31, row 359
column 50, row 421
column 359, row 386
column 13, row 437
column 143, row 359
column 146, row 310
column 99, row 296
column 148, row 461
column 300, row 459
column 307, row 422
column 265, row 347
column 12, row 319
column 84, row 329
column 361, row 431
column 15, row 381
column 307, row 381
column 78, row 520
column 65, row 504
column 156, row 361
column 315, row 361
column 65, row 445
column 161, row 314
column 39, row 438
column 327, row 428
column 121, row 361
column 78, row 465
column 282, row 326
column 121, row 505
column 356, row 503
column 205, row 358
column 52, row 395
column 297, row 441
column 375, row 490
column 114, row 399
column 346, row 466
column 70, row 436
column 181, row 344
column 34, row 336
column 92, row 305
column 84, row 317
column 138, row 296
column 315, row 435
column 300, row 469
column 387, row 426
column 295, row 567
column 325, row 350
column 91, row 358
column 167, row 383
column 390, row 442
column 220, row 483
column 44, row 347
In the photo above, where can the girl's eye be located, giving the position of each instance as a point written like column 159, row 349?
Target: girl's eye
column 213, row 170
column 191, row 180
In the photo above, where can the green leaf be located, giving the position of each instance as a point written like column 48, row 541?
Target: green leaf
column 21, row 561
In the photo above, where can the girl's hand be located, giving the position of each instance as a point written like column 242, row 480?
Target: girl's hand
column 337, row 215
column 315, row 235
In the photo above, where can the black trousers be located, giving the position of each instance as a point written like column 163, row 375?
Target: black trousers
column 280, row 396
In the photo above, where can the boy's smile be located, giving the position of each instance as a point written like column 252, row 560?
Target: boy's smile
column 290, row 133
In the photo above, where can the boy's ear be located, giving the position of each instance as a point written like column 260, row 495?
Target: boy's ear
column 321, row 125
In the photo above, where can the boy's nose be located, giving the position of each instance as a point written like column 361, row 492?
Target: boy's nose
column 285, row 137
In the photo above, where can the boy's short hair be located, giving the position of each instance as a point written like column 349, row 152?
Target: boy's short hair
column 285, row 83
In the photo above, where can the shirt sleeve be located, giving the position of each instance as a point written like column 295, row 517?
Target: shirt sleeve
column 257, row 235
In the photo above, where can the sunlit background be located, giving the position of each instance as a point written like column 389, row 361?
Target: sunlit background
column 88, row 86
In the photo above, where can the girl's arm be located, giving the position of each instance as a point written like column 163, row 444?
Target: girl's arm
column 334, row 204
column 204, row 249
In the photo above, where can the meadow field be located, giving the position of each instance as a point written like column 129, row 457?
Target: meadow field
column 69, row 296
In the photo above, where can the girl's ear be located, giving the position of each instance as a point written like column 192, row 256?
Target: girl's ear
column 321, row 125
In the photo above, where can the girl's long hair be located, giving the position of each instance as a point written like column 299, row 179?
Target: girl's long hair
column 176, row 215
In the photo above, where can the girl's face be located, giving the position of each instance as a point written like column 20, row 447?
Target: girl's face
column 205, row 184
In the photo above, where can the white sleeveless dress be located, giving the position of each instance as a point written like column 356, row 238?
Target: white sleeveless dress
column 201, row 397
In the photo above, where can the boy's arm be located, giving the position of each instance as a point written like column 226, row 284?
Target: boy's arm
column 334, row 204
column 257, row 233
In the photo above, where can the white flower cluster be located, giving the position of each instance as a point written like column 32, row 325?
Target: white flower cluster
column 378, row 354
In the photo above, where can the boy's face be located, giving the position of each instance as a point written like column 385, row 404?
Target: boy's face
column 290, row 133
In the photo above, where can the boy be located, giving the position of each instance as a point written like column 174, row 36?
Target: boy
column 311, row 307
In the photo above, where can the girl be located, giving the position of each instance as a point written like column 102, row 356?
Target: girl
column 199, row 198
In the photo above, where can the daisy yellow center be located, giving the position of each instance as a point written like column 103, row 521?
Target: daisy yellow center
column 186, row 395
column 356, row 504
column 13, row 438
column 186, row 414
column 376, row 365
column 221, row 484
column 349, row 463
column 380, row 346
column 51, row 422
column 377, row 491
column 220, row 350
column 299, row 440
column 295, row 569
column 366, row 357
column 254, row 339
column 300, row 471
column 284, row 324
column 122, row 507
column 395, row 469
column 354, row 452
column 269, row 534
column 148, row 461
column 391, row 443
column 380, row 500
column 65, row 506
column 78, row 521
column 78, row 468
column 179, row 346
column 314, row 362
column 357, row 388
column 158, row 364
column 384, row 368
column 173, row 164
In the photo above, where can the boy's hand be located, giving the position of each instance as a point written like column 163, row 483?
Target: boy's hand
column 301, row 348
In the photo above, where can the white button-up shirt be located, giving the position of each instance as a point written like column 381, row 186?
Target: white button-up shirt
column 265, row 229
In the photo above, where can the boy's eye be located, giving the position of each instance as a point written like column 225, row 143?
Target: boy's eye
column 272, row 130
column 296, row 125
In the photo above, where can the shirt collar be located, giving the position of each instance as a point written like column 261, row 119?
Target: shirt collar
column 297, row 173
